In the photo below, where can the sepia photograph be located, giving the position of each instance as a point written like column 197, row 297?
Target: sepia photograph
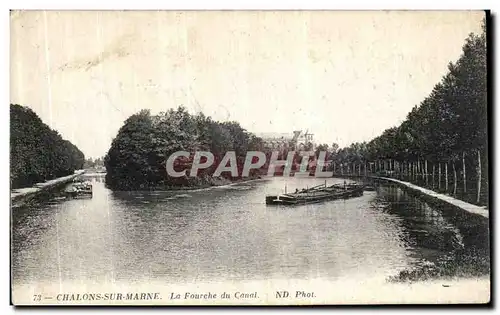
column 229, row 158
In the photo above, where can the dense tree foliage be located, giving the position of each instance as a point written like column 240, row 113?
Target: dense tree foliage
column 446, row 132
column 38, row 153
column 138, row 154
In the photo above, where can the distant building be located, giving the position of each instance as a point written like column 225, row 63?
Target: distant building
column 296, row 141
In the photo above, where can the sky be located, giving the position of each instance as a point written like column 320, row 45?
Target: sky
column 344, row 76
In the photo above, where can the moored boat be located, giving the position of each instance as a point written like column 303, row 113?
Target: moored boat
column 79, row 188
column 317, row 194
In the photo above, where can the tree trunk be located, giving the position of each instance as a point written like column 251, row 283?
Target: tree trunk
column 433, row 174
column 422, row 176
column 446, row 175
column 419, row 169
column 478, row 176
column 422, row 169
column 426, row 174
column 439, row 176
column 463, row 169
column 454, row 178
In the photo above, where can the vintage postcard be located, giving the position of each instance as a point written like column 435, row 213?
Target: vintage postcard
column 249, row 157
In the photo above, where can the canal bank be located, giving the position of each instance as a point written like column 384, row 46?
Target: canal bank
column 432, row 196
column 22, row 196
column 439, row 198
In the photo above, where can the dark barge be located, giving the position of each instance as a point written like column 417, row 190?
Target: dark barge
column 317, row 194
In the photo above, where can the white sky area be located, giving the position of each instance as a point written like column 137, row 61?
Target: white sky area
column 344, row 76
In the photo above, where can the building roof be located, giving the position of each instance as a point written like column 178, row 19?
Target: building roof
column 274, row 135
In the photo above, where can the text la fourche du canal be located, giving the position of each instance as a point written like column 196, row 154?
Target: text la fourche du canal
column 237, row 295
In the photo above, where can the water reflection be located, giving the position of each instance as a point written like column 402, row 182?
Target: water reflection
column 449, row 243
column 230, row 233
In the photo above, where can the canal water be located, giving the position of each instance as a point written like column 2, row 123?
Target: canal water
column 228, row 233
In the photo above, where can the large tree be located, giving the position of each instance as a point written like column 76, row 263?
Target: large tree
column 38, row 153
column 137, row 157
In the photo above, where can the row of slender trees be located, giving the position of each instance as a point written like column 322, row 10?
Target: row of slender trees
column 445, row 135
column 136, row 159
column 38, row 153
